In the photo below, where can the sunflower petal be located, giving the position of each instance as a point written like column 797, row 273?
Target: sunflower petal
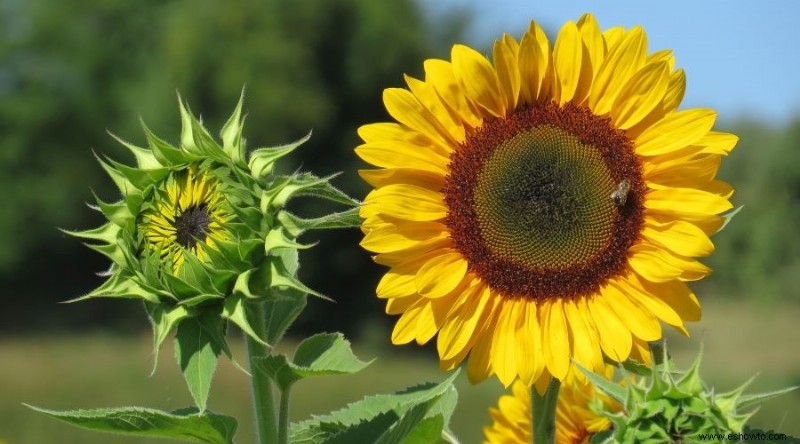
column 504, row 56
column 641, row 322
column 615, row 337
column 405, row 202
column 534, row 59
column 504, row 344
column 441, row 275
column 686, row 200
column 407, row 109
column 439, row 73
column 555, row 338
column 462, row 325
column 643, row 93
column 675, row 131
column 622, row 61
column 567, row 57
column 681, row 237
column 478, row 79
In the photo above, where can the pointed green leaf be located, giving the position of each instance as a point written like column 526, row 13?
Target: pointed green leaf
column 282, row 311
column 235, row 310
column 122, row 183
column 118, row 212
column 281, row 277
column 185, row 424
column 610, row 388
column 197, row 353
column 163, row 151
column 106, row 233
column 319, row 355
column 262, row 160
column 357, row 421
column 119, row 286
column 164, row 319
column 231, row 134
column 144, row 158
column 750, row 400
column 295, row 225
column 729, row 217
column 276, row 239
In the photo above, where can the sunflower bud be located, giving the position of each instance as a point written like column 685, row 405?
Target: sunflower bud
column 201, row 230
column 669, row 405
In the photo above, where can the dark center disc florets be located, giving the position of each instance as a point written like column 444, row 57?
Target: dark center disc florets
column 530, row 201
column 192, row 225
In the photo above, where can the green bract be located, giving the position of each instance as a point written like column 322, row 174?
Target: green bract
column 201, row 235
column 671, row 406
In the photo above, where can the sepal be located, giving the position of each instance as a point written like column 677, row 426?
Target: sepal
column 262, row 160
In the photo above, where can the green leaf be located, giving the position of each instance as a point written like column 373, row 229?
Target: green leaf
column 262, row 160
column 729, row 217
column 197, row 352
column 231, row 134
column 296, row 225
column 610, row 388
column 320, row 355
column 367, row 421
column 163, row 151
column 282, row 311
column 144, row 158
column 750, row 400
column 235, row 310
column 186, row 424
column 164, row 320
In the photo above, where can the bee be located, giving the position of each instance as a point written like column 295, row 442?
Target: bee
column 620, row 195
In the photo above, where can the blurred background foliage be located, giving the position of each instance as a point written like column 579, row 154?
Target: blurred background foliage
column 70, row 71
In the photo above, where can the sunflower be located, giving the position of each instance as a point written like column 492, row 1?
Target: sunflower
column 576, row 422
column 186, row 218
column 545, row 207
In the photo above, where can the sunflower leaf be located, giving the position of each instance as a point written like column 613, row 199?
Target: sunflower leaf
column 262, row 160
column 610, row 388
column 320, row 355
column 235, row 310
column 297, row 225
column 409, row 416
column 164, row 320
column 187, row 424
column 197, row 352
column 729, row 217
column 231, row 134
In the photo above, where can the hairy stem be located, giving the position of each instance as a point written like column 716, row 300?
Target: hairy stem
column 261, row 383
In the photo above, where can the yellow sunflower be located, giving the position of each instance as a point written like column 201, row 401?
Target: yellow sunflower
column 545, row 207
column 186, row 217
column 576, row 422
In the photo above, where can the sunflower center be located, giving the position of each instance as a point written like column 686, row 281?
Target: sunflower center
column 531, row 204
column 541, row 199
column 192, row 225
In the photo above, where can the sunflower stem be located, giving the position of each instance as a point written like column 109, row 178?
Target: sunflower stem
column 543, row 413
column 283, row 417
column 261, row 383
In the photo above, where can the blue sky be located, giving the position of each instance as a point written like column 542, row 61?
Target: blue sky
column 741, row 57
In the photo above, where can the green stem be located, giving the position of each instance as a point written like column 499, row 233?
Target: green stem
column 543, row 413
column 283, row 417
column 261, row 383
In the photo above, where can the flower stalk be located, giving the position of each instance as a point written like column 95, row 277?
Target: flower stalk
column 261, row 382
column 543, row 413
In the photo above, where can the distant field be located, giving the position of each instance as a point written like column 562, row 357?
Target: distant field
column 100, row 370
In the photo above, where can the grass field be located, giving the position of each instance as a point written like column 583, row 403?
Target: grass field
column 100, row 370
